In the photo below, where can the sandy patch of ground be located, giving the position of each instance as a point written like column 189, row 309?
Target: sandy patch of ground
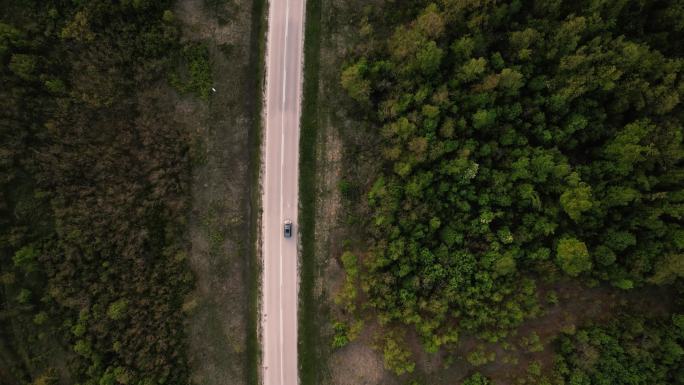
column 364, row 362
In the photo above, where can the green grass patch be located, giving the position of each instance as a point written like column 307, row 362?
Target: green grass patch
column 195, row 75
column 308, row 315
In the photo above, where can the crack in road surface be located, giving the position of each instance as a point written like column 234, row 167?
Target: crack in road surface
column 280, row 195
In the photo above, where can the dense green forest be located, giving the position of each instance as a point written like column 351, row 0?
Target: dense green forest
column 627, row 350
column 93, row 192
column 521, row 142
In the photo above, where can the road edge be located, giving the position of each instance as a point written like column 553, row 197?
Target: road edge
column 308, row 333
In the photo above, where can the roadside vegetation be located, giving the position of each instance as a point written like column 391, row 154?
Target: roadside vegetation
column 223, row 348
column 520, row 148
column 309, row 313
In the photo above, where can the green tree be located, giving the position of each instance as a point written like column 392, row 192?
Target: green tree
column 510, row 81
column 429, row 58
column 577, row 199
column 117, row 309
column 484, row 118
column 476, row 379
column 397, row 358
column 668, row 270
column 573, row 256
column 26, row 258
column 24, row 66
column 627, row 148
column 354, row 83
column 480, row 356
column 473, row 69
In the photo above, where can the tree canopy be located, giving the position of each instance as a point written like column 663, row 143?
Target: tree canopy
column 629, row 350
column 93, row 191
column 519, row 140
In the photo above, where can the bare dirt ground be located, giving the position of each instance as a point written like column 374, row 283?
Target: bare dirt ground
column 220, row 218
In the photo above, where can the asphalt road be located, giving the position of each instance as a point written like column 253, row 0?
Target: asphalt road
column 280, row 194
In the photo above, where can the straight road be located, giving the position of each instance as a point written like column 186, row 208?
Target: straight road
column 280, row 195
